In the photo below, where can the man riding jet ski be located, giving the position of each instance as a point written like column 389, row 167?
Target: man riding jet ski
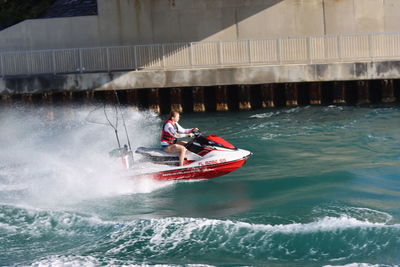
column 206, row 157
column 171, row 131
column 201, row 158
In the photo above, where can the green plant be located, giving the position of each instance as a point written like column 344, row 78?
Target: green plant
column 14, row 11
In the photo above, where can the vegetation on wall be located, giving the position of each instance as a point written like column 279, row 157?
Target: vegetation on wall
column 14, row 11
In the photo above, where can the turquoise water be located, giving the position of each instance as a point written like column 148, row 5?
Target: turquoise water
column 322, row 189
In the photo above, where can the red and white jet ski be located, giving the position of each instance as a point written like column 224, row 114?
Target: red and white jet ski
column 206, row 157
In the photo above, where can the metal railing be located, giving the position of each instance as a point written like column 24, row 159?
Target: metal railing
column 273, row 51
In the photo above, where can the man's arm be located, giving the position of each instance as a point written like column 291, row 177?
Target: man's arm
column 182, row 130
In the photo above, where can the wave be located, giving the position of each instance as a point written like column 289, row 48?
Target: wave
column 61, row 261
column 357, row 264
column 327, row 239
column 89, row 261
column 31, row 235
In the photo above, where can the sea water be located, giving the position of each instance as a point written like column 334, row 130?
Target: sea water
column 322, row 189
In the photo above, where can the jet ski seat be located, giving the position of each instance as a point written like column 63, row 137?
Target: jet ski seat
column 156, row 154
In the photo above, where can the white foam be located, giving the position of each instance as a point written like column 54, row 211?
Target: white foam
column 169, row 233
column 7, row 227
column 359, row 213
column 355, row 265
column 36, row 222
column 264, row 115
column 62, row 261
column 325, row 224
column 78, row 261
column 66, row 160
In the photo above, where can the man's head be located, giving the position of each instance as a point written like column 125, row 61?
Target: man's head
column 174, row 116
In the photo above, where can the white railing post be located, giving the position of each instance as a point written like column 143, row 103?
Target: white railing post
column 249, row 51
column 108, row 59
column 371, row 56
column 309, row 49
column 14, row 65
column 54, row 61
column 135, row 57
column 278, row 48
column 1, row 65
column 339, row 47
column 80, row 60
column 163, row 57
column 325, row 59
column 191, row 55
column 28, row 61
column 220, row 53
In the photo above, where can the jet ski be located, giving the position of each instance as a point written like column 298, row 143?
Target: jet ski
column 207, row 156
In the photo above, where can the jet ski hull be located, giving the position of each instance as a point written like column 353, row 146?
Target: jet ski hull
column 198, row 172
column 206, row 157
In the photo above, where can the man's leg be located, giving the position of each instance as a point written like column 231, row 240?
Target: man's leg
column 177, row 149
column 181, row 143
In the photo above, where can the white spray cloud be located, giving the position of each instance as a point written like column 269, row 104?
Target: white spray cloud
column 66, row 159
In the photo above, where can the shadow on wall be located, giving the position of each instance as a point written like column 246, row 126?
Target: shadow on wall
column 193, row 21
column 173, row 23
column 177, row 23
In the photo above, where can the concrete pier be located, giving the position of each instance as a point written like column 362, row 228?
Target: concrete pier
column 339, row 93
column 267, row 95
column 89, row 97
column 388, row 91
column 154, row 100
column 6, row 101
column 248, row 75
column 292, row 94
column 176, row 99
column 198, row 100
column 221, row 98
column 109, row 97
column 47, row 99
column 27, row 99
column 67, row 102
column 315, row 93
column 67, row 97
column 244, row 97
column 132, row 99
column 363, row 93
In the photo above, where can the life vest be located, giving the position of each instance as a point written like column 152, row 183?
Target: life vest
column 166, row 136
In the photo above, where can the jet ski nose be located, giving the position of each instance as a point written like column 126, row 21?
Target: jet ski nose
column 248, row 155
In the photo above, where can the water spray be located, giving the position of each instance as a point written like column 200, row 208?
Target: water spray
column 123, row 121
column 116, row 124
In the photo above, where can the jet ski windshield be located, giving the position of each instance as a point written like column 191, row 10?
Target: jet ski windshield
column 213, row 140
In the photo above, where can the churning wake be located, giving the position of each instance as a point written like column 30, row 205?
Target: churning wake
column 66, row 159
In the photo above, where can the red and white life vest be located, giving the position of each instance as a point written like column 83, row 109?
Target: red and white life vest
column 166, row 136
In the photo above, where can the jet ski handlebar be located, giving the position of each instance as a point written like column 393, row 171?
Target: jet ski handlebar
column 196, row 132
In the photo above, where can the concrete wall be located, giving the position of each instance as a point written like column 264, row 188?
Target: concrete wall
column 51, row 33
column 202, row 77
column 128, row 22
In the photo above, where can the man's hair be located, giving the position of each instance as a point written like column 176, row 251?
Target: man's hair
column 173, row 113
